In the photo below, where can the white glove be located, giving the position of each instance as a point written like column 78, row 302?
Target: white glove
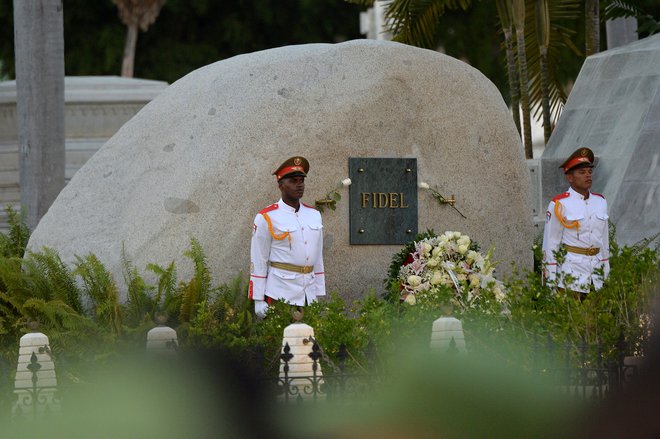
column 260, row 308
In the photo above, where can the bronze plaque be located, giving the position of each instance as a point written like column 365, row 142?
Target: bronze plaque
column 383, row 200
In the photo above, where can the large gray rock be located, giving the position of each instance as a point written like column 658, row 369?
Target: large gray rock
column 614, row 109
column 197, row 160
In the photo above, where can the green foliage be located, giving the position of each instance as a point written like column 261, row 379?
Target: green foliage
column 198, row 290
column 88, row 323
column 187, row 34
column 622, row 305
column 102, row 291
column 13, row 243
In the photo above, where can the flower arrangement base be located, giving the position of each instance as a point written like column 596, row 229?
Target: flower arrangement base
column 447, row 336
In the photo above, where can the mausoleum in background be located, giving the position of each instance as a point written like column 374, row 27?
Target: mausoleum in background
column 96, row 107
column 614, row 109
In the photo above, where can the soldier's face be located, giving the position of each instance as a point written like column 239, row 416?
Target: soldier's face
column 292, row 188
column 580, row 179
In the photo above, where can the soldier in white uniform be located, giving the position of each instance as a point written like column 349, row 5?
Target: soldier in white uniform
column 286, row 251
column 577, row 222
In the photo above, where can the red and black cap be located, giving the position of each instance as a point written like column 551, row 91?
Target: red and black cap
column 293, row 167
column 582, row 158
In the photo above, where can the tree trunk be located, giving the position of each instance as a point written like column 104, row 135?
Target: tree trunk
column 524, row 94
column 592, row 27
column 39, row 48
column 129, row 51
column 545, row 96
column 542, row 16
column 514, row 89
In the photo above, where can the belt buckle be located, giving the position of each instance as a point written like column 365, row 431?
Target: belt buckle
column 591, row 251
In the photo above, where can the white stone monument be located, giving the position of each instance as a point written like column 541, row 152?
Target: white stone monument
column 301, row 380
column 162, row 340
column 447, row 336
column 35, row 385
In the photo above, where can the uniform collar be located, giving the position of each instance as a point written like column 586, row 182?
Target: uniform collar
column 574, row 193
column 286, row 207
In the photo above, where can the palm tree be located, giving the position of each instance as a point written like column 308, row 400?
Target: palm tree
column 592, row 26
column 504, row 12
column 543, row 36
column 518, row 9
column 134, row 14
column 544, row 30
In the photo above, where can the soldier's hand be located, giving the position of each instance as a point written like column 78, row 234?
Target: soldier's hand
column 260, row 308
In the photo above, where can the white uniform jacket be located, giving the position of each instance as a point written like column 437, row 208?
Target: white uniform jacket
column 592, row 231
column 300, row 243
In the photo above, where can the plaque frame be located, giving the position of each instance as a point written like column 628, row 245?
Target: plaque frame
column 383, row 206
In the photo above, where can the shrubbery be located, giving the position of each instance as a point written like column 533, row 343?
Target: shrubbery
column 79, row 308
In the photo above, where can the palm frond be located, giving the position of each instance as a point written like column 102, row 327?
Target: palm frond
column 415, row 22
column 621, row 9
column 563, row 15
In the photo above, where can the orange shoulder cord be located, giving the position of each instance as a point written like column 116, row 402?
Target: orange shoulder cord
column 559, row 213
column 279, row 237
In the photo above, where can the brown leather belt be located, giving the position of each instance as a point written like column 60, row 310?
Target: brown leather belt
column 589, row 251
column 290, row 267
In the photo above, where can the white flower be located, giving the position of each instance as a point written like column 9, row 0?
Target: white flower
column 464, row 240
column 436, row 251
column 423, row 185
column 346, row 182
column 462, row 249
column 414, row 280
column 410, row 299
column 432, row 263
column 437, row 277
column 426, row 247
column 474, row 280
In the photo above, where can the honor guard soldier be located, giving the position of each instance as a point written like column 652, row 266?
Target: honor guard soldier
column 577, row 222
column 286, row 251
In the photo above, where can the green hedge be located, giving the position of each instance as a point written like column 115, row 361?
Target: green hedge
column 79, row 308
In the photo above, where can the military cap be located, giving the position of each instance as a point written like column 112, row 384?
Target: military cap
column 295, row 166
column 582, row 157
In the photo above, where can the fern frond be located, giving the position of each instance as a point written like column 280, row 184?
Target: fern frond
column 166, row 284
column 199, row 288
column 189, row 300
column 12, row 279
column 51, row 278
column 139, row 302
column 13, row 244
column 102, row 291
column 56, row 315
